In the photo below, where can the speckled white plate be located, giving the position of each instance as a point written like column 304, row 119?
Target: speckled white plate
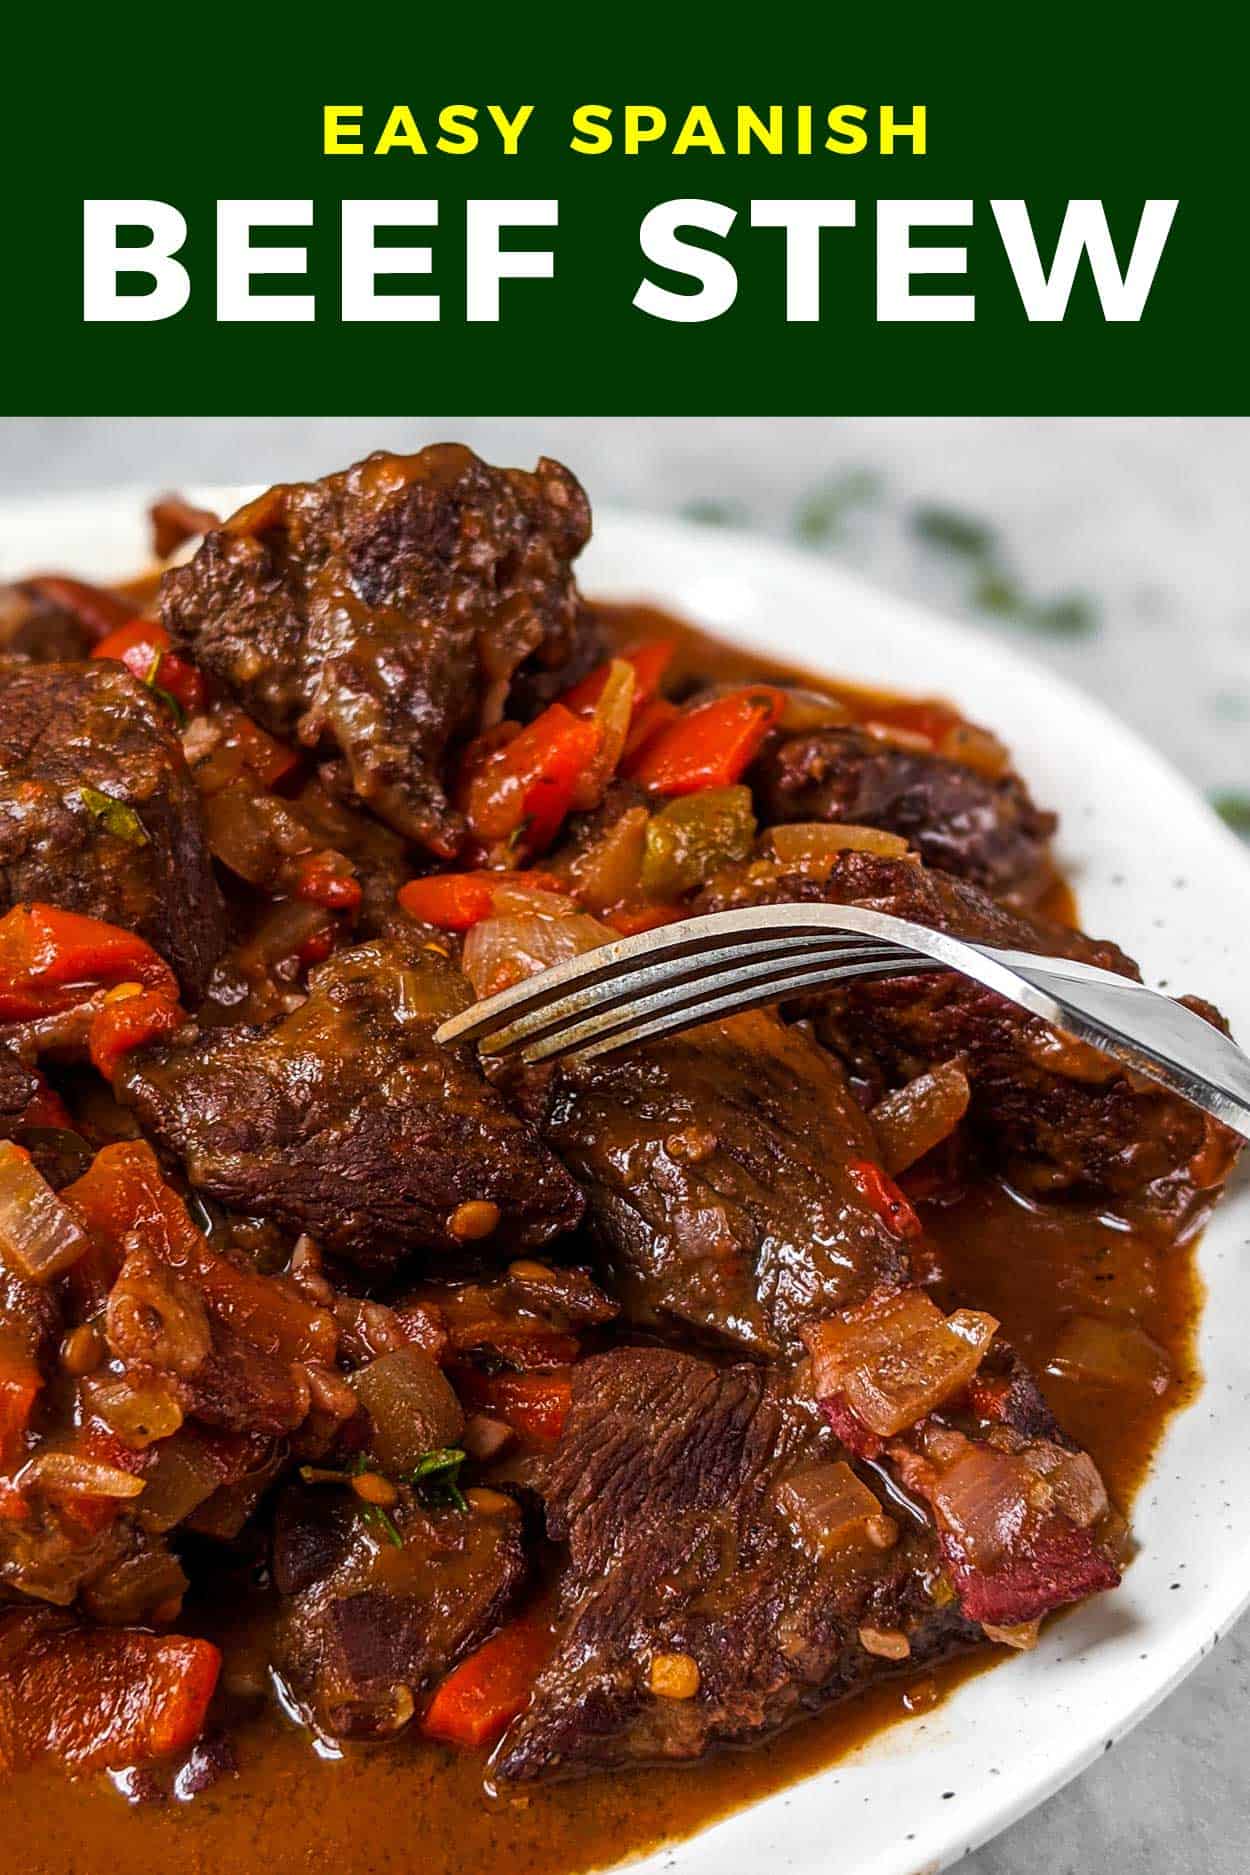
column 1154, row 869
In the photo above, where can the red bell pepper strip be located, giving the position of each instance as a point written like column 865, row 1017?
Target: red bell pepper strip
column 526, row 787
column 20, row 1381
column 650, row 661
column 456, row 901
column 646, row 726
column 708, row 746
column 326, row 879
column 90, row 1697
column 536, row 1405
column 95, row 607
column 143, row 647
column 243, row 748
column 476, row 1703
column 885, row 1198
column 51, row 959
column 131, row 1022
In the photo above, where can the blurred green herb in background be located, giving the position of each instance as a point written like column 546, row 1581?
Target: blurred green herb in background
column 995, row 588
column 714, row 513
column 1233, row 808
column 821, row 518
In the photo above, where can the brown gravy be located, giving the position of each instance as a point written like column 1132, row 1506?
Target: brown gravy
column 414, row 1804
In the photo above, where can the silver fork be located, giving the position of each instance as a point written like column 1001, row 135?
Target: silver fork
column 662, row 981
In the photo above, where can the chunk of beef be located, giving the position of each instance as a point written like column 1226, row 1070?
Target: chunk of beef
column 725, row 1571
column 721, row 1175
column 382, row 614
column 34, row 627
column 982, row 828
column 18, row 1087
column 70, row 736
column 367, row 1624
column 1056, row 1114
column 347, row 1120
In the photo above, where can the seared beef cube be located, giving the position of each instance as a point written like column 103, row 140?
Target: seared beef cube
column 99, row 815
column 33, row 626
column 347, row 1120
column 982, row 828
column 381, row 614
column 374, row 1615
column 724, row 1172
column 18, row 1087
column 1054, row 1113
column 726, row 1569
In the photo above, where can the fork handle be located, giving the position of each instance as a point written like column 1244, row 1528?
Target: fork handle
column 1145, row 1029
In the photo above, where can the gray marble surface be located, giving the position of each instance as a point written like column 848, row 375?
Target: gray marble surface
column 1116, row 551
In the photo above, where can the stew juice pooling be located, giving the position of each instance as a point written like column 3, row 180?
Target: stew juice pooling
column 396, row 1455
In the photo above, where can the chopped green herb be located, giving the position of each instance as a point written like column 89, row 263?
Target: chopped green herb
column 371, row 1515
column 942, row 527
column 1233, row 808
column 713, row 513
column 1070, row 617
column 164, row 696
column 116, row 817
column 435, row 1477
column 375, row 1518
column 995, row 592
column 821, row 516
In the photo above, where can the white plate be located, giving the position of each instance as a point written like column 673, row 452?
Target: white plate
column 1155, row 869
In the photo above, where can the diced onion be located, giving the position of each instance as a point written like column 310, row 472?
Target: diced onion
column 139, row 1412
column 608, row 872
column 829, row 1509
column 918, row 1117
column 40, row 1237
column 613, row 713
column 811, row 847
column 1110, row 1353
column 411, row 1407
column 66, row 1474
column 975, row 748
column 501, row 951
column 896, row 1358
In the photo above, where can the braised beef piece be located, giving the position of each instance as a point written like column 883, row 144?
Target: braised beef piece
column 720, row 1170
column 381, row 861
column 347, row 1120
column 382, row 615
column 980, row 828
column 1058, row 1116
column 369, row 1623
column 34, row 627
column 73, row 739
column 726, row 1569
column 18, row 1087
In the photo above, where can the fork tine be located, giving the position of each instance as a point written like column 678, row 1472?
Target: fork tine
column 630, row 961
column 599, row 1009
column 640, row 991
column 729, row 1002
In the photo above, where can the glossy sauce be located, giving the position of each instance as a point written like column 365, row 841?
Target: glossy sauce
column 415, row 1806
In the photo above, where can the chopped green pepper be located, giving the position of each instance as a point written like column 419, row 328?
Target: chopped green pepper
column 116, row 817
column 694, row 835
